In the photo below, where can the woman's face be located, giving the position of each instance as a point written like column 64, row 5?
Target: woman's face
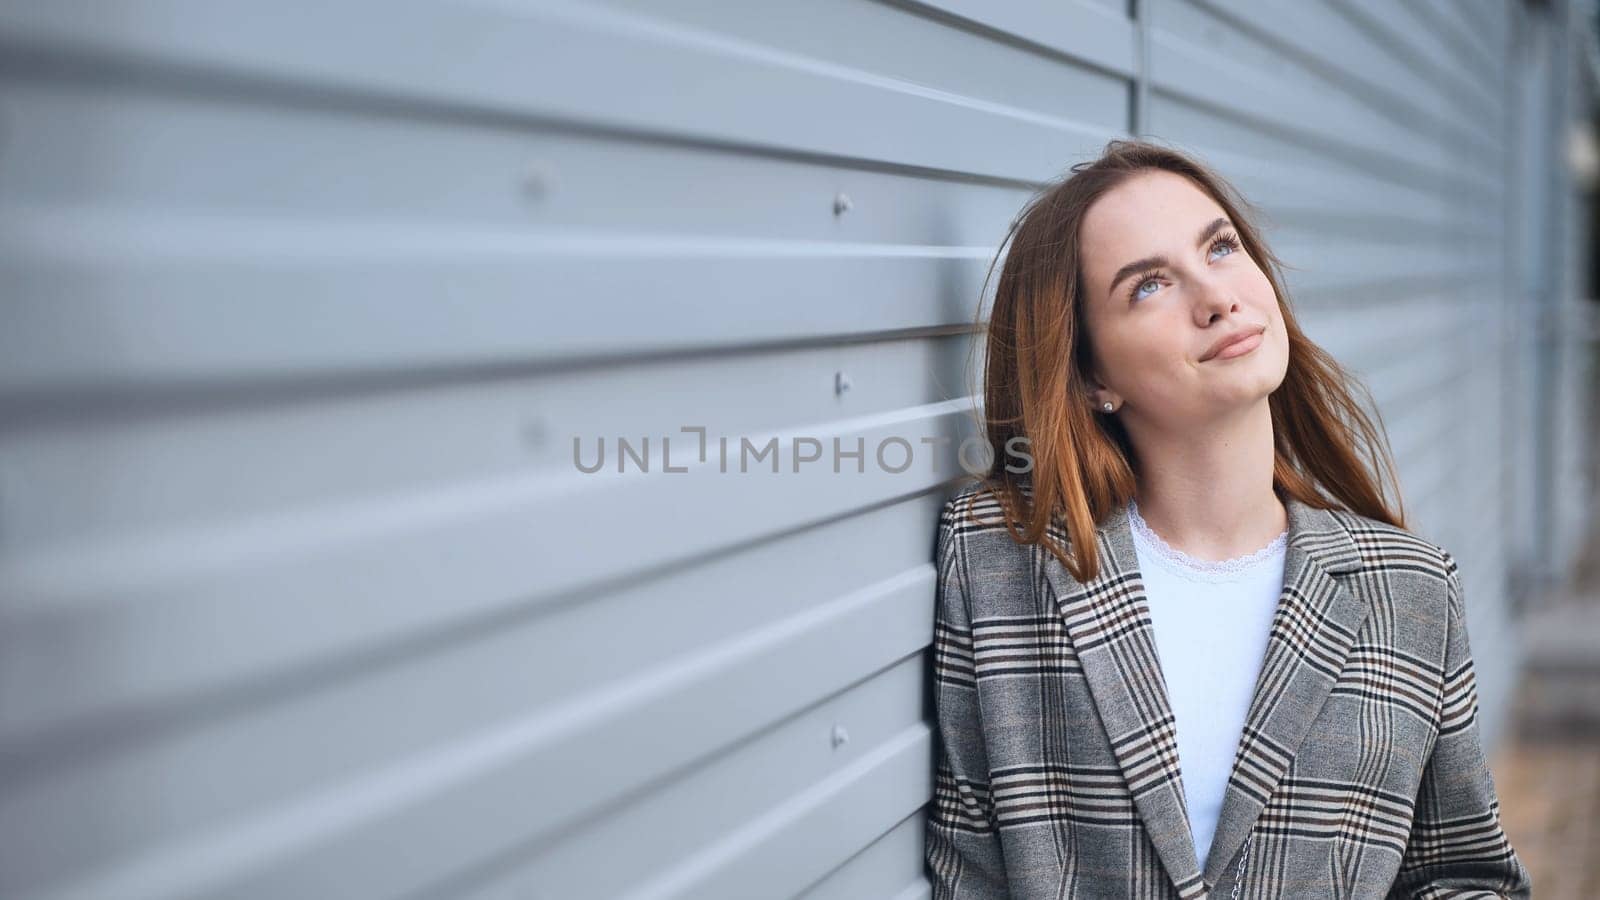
column 1153, row 324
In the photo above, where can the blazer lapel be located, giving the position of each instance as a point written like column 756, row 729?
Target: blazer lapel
column 1312, row 633
column 1108, row 620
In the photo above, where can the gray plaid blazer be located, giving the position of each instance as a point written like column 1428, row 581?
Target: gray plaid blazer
column 1360, row 771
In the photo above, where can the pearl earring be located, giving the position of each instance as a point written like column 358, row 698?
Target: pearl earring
column 1106, row 406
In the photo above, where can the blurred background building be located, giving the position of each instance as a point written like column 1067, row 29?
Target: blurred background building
column 309, row 308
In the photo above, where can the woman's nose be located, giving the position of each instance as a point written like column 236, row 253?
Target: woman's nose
column 1215, row 298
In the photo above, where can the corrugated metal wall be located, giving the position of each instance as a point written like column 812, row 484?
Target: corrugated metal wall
column 301, row 594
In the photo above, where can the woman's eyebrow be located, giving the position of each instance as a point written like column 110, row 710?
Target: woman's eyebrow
column 1151, row 262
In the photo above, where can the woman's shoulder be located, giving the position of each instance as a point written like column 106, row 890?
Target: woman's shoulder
column 981, row 561
column 974, row 518
column 974, row 504
column 1412, row 569
column 1385, row 545
column 976, row 514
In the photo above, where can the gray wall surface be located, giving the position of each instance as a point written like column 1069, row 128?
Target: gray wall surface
column 301, row 595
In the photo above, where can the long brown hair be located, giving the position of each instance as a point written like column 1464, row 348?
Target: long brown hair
column 1036, row 381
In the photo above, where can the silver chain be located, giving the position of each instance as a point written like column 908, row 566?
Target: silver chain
column 1238, row 875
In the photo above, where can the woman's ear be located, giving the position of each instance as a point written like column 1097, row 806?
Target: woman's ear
column 1097, row 391
column 1099, row 396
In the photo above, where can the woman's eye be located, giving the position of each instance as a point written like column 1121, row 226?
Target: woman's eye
column 1229, row 243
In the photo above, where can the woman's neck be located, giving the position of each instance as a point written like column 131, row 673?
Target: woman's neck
column 1208, row 490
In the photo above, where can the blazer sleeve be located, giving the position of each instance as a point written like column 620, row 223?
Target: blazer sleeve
column 1457, row 847
column 963, row 851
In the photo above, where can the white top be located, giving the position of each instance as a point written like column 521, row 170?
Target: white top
column 1211, row 621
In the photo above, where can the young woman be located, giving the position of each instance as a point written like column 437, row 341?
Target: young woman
column 1188, row 646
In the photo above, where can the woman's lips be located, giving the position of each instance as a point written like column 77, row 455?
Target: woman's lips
column 1239, row 347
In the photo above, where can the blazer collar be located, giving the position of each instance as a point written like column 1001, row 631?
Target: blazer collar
column 1312, row 631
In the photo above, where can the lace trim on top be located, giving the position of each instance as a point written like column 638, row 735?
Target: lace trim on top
column 1210, row 570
